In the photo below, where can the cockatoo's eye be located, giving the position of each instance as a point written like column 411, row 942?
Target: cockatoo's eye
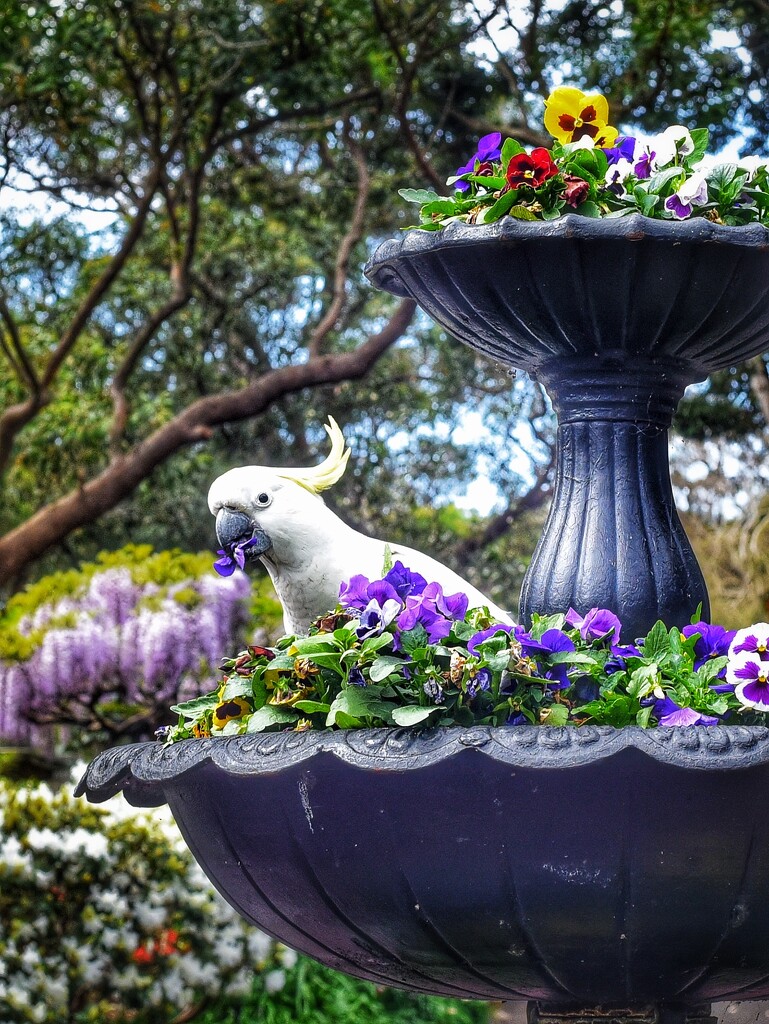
column 263, row 499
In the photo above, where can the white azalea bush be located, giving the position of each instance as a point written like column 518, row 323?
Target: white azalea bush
column 105, row 916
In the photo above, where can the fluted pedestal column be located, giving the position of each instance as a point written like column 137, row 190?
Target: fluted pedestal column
column 613, row 538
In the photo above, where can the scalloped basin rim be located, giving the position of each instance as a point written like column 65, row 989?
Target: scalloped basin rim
column 634, row 227
column 144, row 769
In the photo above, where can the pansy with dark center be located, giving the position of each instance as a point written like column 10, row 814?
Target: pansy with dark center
column 480, row 681
column 532, row 169
column 753, row 640
column 751, row 678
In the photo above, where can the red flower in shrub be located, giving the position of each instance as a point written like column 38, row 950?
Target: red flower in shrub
column 142, row 955
column 167, row 942
column 531, row 168
column 577, row 190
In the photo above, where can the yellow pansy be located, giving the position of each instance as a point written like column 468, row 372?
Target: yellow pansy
column 571, row 114
column 229, row 710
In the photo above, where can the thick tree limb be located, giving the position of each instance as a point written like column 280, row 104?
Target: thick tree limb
column 54, row 522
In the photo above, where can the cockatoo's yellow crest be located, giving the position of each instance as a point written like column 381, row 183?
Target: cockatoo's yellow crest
column 320, row 478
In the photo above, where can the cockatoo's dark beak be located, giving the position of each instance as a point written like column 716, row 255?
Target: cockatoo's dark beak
column 234, row 528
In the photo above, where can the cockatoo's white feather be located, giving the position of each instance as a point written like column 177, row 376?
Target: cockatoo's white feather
column 311, row 551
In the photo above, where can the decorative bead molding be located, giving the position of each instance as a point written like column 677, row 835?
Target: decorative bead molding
column 143, row 769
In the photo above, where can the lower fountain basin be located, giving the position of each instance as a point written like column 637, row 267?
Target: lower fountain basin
column 590, row 866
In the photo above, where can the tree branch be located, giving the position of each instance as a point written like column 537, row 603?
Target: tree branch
column 14, row 418
column 52, row 523
column 349, row 242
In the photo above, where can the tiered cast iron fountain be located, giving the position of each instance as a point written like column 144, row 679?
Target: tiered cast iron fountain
column 591, row 871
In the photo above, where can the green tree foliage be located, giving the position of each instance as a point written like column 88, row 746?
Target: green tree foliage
column 217, row 172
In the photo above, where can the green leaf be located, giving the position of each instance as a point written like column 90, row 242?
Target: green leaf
column 588, row 209
column 659, row 180
column 499, row 209
column 237, row 686
column 700, row 138
column 388, row 560
column 705, row 673
column 643, row 716
column 556, row 714
column 383, row 667
column 412, row 714
column 310, row 645
column 419, row 195
column 522, row 213
column 489, row 182
column 438, row 206
column 510, row 148
column 413, row 639
column 197, row 707
column 312, row 706
column 269, row 716
column 657, row 643
column 360, row 702
column 375, row 643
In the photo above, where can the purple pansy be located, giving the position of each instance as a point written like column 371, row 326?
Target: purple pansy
column 433, row 689
column 693, row 192
column 670, row 714
column 488, row 149
column 434, row 610
column 552, row 641
column 356, row 677
column 714, row 642
column 619, row 655
column 751, row 678
column 359, row 591
column 477, row 639
column 376, row 617
column 516, row 719
column 236, row 559
column 753, row 640
column 405, row 581
column 624, row 150
column 596, row 625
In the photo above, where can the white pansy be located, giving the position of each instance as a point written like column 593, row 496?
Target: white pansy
column 752, row 164
column 673, row 142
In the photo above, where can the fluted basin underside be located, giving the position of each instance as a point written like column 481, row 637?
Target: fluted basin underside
column 576, row 865
column 627, row 288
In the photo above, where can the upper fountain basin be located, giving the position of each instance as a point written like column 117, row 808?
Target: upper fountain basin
column 620, row 291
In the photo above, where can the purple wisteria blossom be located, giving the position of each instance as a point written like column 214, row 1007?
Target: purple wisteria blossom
column 488, row 149
column 670, row 714
column 599, row 623
column 121, row 642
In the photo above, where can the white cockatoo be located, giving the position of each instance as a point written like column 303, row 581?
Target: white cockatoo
column 277, row 515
